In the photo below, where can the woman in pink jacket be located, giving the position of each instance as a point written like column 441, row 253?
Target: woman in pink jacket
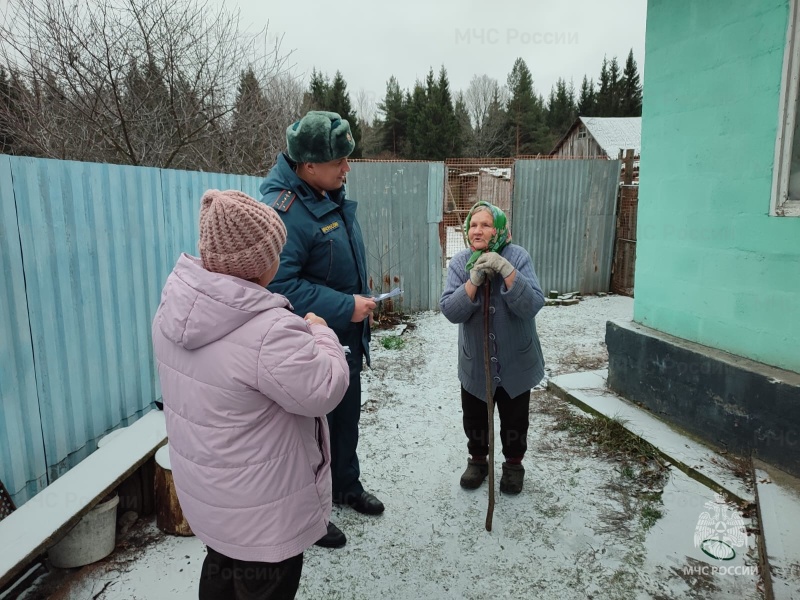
column 246, row 385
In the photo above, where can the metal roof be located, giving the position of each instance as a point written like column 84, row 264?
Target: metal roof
column 615, row 133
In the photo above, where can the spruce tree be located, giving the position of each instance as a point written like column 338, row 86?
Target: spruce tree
column 631, row 89
column 446, row 121
column 603, row 98
column 416, row 101
column 465, row 132
column 393, row 126
column 615, row 89
column 318, row 91
column 527, row 130
column 586, row 100
column 561, row 109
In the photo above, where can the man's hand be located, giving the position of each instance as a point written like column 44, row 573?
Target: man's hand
column 313, row 319
column 363, row 308
column 493, row 263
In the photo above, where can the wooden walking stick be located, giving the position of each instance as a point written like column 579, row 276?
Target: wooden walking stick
column 489, row 402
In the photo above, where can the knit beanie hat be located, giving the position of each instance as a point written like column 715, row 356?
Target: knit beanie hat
column 238, row 235
column 319, row 137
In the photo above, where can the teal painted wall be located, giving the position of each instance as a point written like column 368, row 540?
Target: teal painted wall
column 712, row 266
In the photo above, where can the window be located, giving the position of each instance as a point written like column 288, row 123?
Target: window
column 786, row 172
column 581, row 132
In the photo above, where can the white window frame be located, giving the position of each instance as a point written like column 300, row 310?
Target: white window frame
column 780, row 205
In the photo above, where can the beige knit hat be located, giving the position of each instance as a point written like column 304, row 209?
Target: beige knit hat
column 238, row 235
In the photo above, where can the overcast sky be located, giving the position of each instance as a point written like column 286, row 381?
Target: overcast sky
column 370, row 41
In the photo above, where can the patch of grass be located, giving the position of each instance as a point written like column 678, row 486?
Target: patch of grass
column 609, row 435
column 650, row 514
column 392, row 342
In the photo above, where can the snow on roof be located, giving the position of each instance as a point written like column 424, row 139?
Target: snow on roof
column 615, row 133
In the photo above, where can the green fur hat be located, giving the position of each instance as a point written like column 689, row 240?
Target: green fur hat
column 319, row 137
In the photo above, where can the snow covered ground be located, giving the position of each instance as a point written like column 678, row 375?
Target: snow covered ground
column 574, row 532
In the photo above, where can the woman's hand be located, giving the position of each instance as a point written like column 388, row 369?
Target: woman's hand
column 493, row 263
column 313, row 319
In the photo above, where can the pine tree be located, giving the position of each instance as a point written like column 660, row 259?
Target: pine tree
column 603, row 99
column 464, row 126
column 446, row 119
column 526, row 127
column 615, row 88
column 586, row 100
column 631, row 105
column 415, row 102
column 393, row 127
column 434, row 132
column 561, row 109
column 318, row 91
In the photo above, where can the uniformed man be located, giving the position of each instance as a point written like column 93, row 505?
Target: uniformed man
column 323, row 270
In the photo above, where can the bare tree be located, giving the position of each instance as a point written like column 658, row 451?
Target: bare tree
column 141, row 82
column 365, row 107
column 485, row 99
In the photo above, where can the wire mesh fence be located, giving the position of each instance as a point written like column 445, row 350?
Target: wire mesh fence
column 467, row 181
column 622, row 269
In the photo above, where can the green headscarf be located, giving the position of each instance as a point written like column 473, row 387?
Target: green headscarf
column 499, row 241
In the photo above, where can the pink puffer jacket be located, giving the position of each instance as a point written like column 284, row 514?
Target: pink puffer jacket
column 246, row 385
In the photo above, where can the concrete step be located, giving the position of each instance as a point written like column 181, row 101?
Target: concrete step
column 776, row 493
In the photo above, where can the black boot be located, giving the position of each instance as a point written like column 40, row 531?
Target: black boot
column 511, row 481
column 335, row 538
column 475, row 473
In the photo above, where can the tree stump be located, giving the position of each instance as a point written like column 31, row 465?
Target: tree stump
column 169, row 516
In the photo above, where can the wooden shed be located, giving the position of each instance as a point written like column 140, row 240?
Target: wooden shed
column 600, row 137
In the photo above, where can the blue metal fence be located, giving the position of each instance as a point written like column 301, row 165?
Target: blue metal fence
column 84, row 252
column 564, row 214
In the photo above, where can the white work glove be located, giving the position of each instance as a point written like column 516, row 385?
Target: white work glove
column 477, row 277
column 494, row 264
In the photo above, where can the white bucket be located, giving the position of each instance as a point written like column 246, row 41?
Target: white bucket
column 92, row 539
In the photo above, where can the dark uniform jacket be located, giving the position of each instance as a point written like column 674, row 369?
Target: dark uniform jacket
column 323, row 262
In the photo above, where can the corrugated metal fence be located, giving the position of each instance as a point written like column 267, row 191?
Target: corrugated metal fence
column 564, row 212
column 85, row 250
column 400, row 208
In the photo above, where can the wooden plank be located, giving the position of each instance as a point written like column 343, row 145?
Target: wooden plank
column 48, row 516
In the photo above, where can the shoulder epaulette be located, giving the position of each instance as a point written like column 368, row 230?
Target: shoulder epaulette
column 284, row 200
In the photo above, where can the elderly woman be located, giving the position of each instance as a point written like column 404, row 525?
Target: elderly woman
column 515, row 354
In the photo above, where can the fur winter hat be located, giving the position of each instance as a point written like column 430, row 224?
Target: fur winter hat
column 319, row 137
column 238, row 235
